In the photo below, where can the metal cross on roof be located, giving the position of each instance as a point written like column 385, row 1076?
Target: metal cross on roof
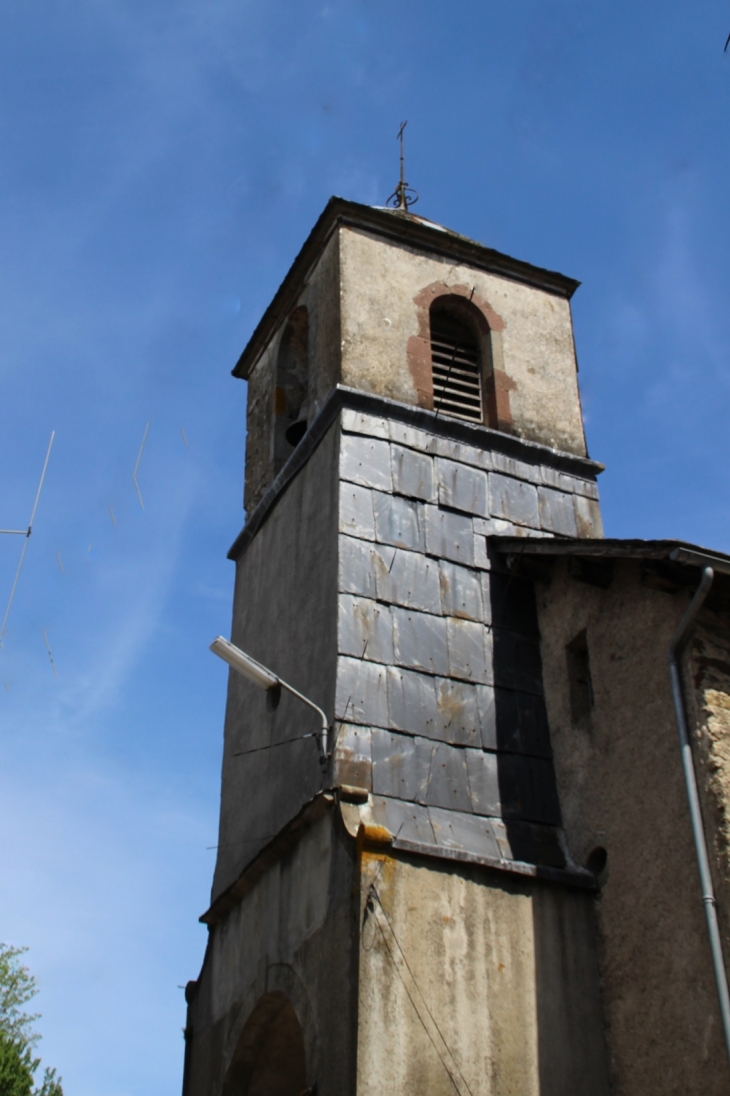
column 403, row 196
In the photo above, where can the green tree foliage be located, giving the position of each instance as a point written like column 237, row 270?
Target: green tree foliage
column 18, row 1066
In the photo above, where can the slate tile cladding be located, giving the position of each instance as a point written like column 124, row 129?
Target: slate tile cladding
column 439, row 699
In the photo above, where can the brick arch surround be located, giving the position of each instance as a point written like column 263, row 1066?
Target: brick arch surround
column 497, row 385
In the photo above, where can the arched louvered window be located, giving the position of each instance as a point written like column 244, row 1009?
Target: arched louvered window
column 456, row 361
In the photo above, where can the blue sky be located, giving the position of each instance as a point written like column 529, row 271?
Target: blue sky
column 161, row 163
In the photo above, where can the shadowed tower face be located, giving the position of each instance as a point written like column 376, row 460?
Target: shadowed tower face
column 411, row 920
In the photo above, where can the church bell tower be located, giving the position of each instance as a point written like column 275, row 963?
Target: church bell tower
column 406, row 919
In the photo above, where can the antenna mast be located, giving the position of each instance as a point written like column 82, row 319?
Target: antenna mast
column 403, row 196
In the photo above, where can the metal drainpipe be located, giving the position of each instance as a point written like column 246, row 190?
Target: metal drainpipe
column 690, row 780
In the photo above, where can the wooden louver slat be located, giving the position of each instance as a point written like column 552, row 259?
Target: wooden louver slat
column 457, row 389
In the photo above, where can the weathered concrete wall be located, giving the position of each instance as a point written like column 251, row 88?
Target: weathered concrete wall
column 474, row 982
column 285, row 615
column 382, row 287
column 295, row 934
column 621, row 789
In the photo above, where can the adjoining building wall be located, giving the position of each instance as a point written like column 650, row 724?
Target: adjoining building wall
column 386, row 292
column 292, row 939
column 621, row 789
column 476, row 982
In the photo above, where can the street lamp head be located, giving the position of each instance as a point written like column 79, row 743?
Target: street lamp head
column 244, row 664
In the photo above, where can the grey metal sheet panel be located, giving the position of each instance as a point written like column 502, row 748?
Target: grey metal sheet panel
column 358, row 564
column 588, row 517
column 361, row 695
column 399, row 522
column 466, row 831
column 481, row 552
column 419, row 641
column 461, row 487
column 520, row 469
column 357, row 422
column 466, row 454
column 352, row 760
column 449, row 535
column 366, row 461
column 483, row 782
column 467, row 655
column 413, row 474
column 410, row 580
column 365, row 629
column 406, row 821
column 412, row 702
column 513, row 500
column 461, row 592
column 488, row 715
column 448, row 785
column 412, row 437
column 457, row 712
column 401, row 765
column 556, row 511
column 356, row 511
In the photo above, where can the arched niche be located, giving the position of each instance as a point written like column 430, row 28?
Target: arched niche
column 291, row 387
column 269, row 1059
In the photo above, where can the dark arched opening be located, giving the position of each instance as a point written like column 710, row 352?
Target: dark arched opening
column 269, row 1059
column 459, row 342
column 290, row 392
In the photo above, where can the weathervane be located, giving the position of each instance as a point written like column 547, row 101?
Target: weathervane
column 403, row 196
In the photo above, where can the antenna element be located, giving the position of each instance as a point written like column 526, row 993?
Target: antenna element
column 403, row 196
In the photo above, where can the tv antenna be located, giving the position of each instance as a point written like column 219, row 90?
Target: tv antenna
column 403, row 196
column 25, row 533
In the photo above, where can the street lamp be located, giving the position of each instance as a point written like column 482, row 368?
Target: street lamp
column 266, row 680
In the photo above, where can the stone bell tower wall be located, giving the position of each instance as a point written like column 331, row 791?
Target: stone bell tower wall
column 360, row 293
column 386, row 292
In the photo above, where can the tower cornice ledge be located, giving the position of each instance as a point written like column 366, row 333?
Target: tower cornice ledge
column 408, row 229
column 481, row 437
